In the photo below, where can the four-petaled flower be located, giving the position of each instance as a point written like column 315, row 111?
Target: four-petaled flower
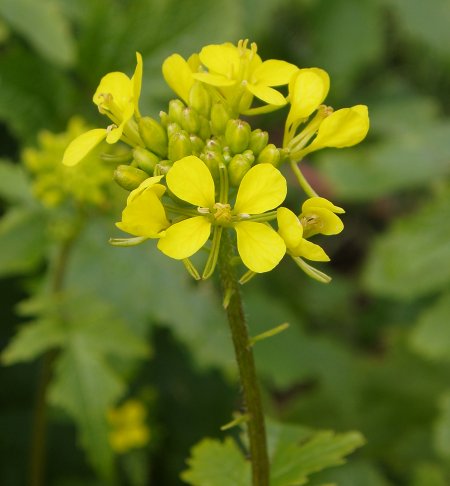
column 262, row 189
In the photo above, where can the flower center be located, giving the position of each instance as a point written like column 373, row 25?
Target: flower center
column 222, row 213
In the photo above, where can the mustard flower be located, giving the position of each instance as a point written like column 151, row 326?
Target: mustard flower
column 262, row 189
column 144, row 215
column 318, row 216
column 117, row 97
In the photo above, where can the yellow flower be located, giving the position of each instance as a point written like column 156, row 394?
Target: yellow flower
column 144, row 214
column 231, row 66
column 262, row 188
column 318, row 216
column 128, row 428
column 291, row 230
column 178, row 74
column 117, row 96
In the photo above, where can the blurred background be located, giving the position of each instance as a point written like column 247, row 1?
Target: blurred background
column 368, row 352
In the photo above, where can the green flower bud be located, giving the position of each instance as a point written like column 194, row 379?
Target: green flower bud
column 145, row 159
column 205, row 128
column 212, row 161
column 179, row 145
column 176, row 108
column 237, row 135
column 199, row 99
column 269, row 155
column 226, row 155
column 129, row 177
column 248, row 154
column 237, row 168
column 197, row 144
column 165, row 119
column 219, row 118
column 258, row 140
column 163, row 167
column 190, row 120
column 172, row 128
column 213, row 145
column 153, row 135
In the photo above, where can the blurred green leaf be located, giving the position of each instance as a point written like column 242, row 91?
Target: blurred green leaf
column 32, row 340
column 426, row 474
column 14, row 183
column 442, row 427
column 431, row 335
column 217, row 463
column 357, row 472
column 410, row 259
column 23, row 240
column 43, row 25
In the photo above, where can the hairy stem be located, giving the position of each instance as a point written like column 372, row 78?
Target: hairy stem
column 246, row 365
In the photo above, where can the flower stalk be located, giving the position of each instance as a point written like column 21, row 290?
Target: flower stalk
column 246, row 365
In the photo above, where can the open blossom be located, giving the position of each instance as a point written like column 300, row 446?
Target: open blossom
column 262, row 188
column 117, row 97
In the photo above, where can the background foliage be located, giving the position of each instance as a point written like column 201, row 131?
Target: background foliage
column 369, row 352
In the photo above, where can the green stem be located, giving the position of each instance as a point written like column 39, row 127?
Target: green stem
column 304, row 184
column 39, row 426
column 244, row 357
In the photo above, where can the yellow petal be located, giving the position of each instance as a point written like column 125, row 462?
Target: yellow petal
column 114, row 134
column 260, row 247
column 119, row 86
column 343, row 128
column 137, row 80
column 150, row 183
column 82, row 145
column 307, row 90
column 321, row 220
column 268, row 95
column 321, row 202
column 273, row 73
column 178, row 75
column 214, row 79
column 190, row 180
column 221, row 59
column 262, row 188
column 310, row 251
column 144, row 216
column 289, row 227
column 185, row 238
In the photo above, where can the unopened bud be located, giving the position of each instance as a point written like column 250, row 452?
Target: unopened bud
column 165, row 119
column 219, row 118
column 205, row 128
column 190, row 120
column 237, row 168
column 129, row 177
column 145, row 159
column 237, row 135
column 197, row 144
column 258, row 140
column 163, row 167
column 212, row 160
column 248, row 154
column 213, row 145
column 199, row 99
column 179, row 145
column 226, row 155
column 153, row 135
column 172, row 128
column 269, row 155
column 176, row 108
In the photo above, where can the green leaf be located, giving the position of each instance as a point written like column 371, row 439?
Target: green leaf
column 293, row 460
column 410, row 259
column 14, row 183
column 22, row 240
column 43, row 25
column 428, row 474
column 431, row 335
column 215, row 463
column 32, row 340
column 441, row 433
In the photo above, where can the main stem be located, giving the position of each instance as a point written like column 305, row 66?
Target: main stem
column 246, row 364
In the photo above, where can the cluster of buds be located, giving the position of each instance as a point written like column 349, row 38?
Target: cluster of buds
column 200, row 169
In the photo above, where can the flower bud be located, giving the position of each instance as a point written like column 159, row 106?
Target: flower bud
column 219, row 118
column 237, row 135
column 145, row 159
column 213, row 145
column 212, row 161
column 197, row 144
column 199, row 99
column 172, row 128
column 205, row 128
column 153, row 135
column 269, row 155
column 165, row 119
column 226, row 155
column 163, row 167
column 176, row 108
column 248, row 154
column 179, row 145
column 129, row 177
column 190, row 120
column 258, row 140
column 237, row 168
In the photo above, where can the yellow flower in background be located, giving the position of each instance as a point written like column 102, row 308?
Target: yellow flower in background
column 117, row 96
column 128, row 429
column 318, row 216
column 291, row 230
column 262, row 188
column 231, row 66
column 144, row 214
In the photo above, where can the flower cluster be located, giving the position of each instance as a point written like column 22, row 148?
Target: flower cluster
column 201, row 169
